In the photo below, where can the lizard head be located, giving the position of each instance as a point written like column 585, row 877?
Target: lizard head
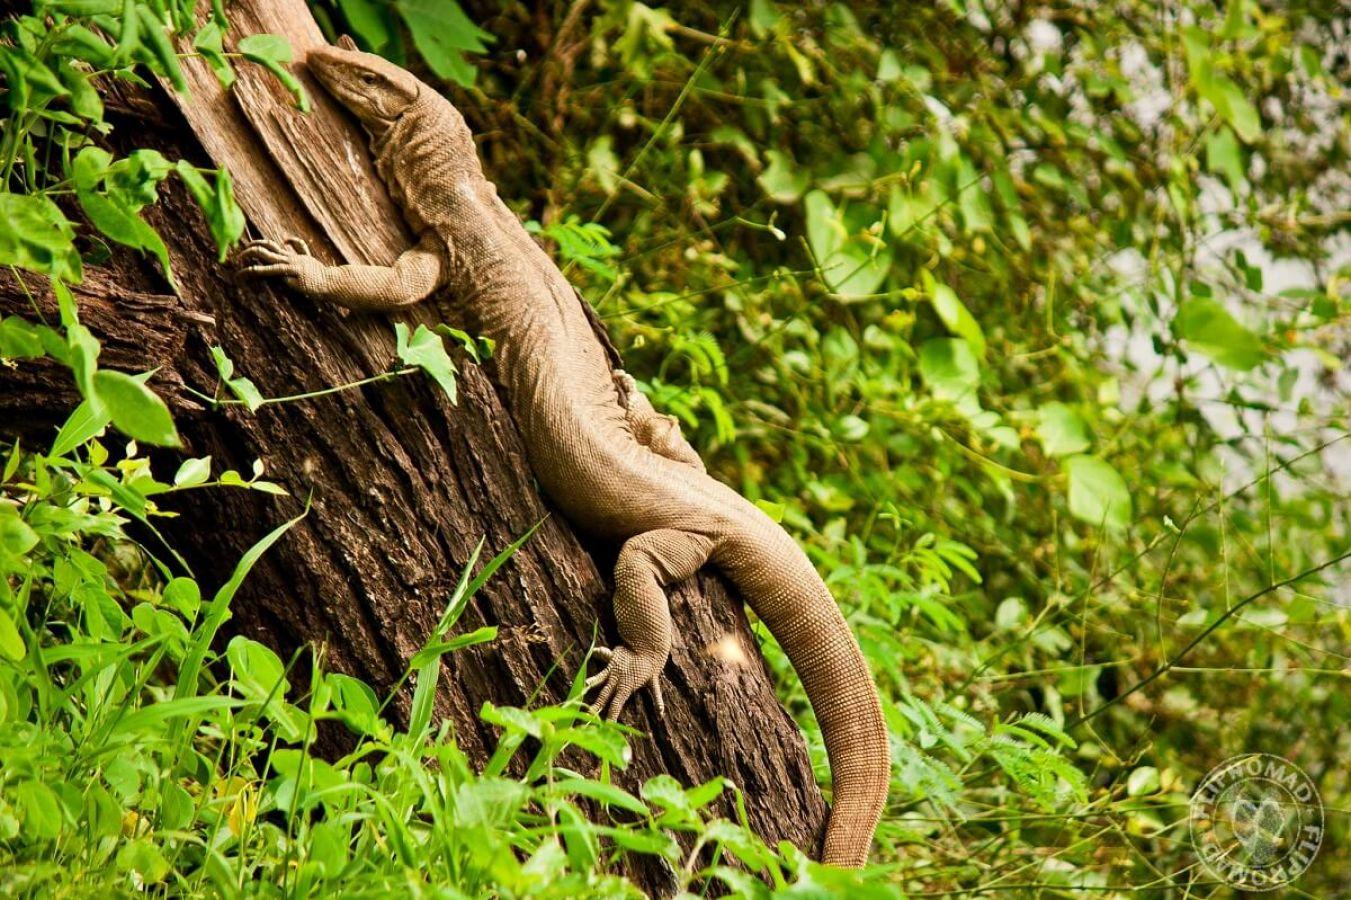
column 374, row 89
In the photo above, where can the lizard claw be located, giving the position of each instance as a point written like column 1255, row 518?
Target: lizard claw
column 627, row 672
column 289, row 259
column 626, row 387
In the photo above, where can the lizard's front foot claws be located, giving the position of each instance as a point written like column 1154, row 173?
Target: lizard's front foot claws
column 627, row 671
column 290, row 259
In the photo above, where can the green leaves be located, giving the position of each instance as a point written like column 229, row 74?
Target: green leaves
column 1224, row 94
column 42, row 818
column 443, row 34
column 217, row 200
column 1062, row 431
column 35, row 235
column 954, row 314
column 134, row 408
column 1097, row 493
column 1208, row 327
column 112, row 195
column 209, row 42
column 1224, row 157
column 781, row 180
column 145, row 859
column 110, row 396
column 257, row 670
column 20, row 339
column 244, row 390
column 273, row 52
column 370, row 21
column 948, row 366
column 425, row 350
column 853, row 264
column 11, row 642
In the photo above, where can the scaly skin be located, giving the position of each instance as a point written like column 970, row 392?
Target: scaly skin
column 598, row 448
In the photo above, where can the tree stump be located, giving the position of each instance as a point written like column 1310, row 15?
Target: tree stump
column 403, row 484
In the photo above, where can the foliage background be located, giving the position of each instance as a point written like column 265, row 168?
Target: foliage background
column 1028, row 319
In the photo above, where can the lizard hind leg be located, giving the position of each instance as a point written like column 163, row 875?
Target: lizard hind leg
column 647, row 563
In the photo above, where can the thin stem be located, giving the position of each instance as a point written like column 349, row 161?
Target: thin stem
column 308, row 395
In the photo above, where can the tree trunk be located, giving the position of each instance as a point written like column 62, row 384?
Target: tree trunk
column 403, row 484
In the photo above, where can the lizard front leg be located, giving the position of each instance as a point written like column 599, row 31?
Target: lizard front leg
column 659, row 433
column 647, row 563
column 412, row 277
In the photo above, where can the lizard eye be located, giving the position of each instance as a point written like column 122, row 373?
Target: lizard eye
column 369, row 78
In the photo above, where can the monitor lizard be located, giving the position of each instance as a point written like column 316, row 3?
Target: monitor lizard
column 613, row 464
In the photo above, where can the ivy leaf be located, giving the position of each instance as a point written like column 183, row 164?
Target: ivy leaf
column 217, row 201
column 371, row 22
column 1098, row 494
column 425, row 350
column 243, row 389
column 949, row 368
column 162, row 55
column 119, row 223
column 193, row 472
column 41, row 810
column 78, row 42
column 84, row 98
column 130, row 185
column 11, row 642
column 16, row 537
column 1142, row 782
column 850, row 267
column 974, row 205
column 955, row 315
column 86, row 421
column 781, row 179
column 1062, row 431
column 257, row 669
column 1236, row 109
column 135, row 409
column 145, row 859
column 19, row 339
column 1225, row 158
column 272, row 52
column 443, row 33
column 1209, row 328
column 272, row 48
column 84, row 352
column 210, row 43
column 35, row 235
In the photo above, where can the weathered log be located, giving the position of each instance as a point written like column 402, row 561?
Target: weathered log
column 403, row 483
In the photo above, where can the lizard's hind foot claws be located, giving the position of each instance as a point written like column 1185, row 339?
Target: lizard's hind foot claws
column 625, row 674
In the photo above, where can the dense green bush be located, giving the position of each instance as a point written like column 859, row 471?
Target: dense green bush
column 1028, row 320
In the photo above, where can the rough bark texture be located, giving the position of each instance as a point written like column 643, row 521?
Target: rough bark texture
column 403, row 483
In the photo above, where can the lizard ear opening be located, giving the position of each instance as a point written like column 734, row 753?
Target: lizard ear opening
column 345, row 42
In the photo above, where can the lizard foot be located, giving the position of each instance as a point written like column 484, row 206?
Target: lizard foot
column 290, row 259
column 625, row 673
column 626, row 387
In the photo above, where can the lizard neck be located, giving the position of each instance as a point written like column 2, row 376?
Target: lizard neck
column 428, row 145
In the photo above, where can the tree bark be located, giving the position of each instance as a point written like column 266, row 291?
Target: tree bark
column 403, row 484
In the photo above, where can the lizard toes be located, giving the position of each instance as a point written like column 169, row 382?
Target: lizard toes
column 276, row 270
column 258, row 253
column 262, row 244
column 607, row 685
column 626, row 673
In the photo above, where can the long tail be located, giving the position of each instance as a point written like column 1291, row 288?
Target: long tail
column 781, row 585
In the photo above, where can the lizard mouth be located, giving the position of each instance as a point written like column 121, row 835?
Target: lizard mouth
column 324, row 63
